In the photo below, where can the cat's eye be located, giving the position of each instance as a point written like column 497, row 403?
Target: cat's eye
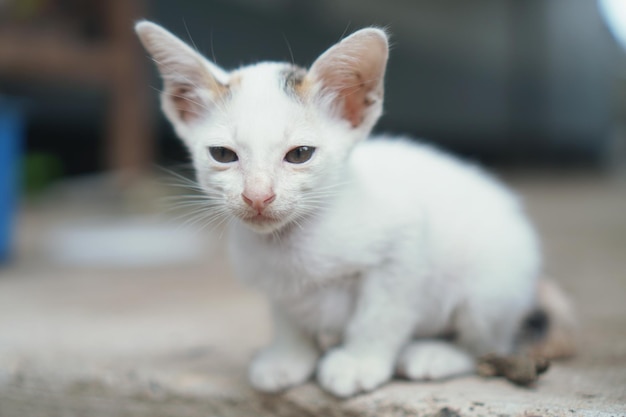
column 223, row 155
column 299, row 155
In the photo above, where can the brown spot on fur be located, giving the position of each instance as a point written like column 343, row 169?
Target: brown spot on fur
column 304, row 87
column 294, row 81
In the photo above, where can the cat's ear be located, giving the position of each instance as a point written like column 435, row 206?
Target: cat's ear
column 192, row 84
column 351, row 74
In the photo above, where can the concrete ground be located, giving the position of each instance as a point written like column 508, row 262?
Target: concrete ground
column 174, row 339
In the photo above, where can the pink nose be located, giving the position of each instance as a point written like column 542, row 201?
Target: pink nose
column 259, row 203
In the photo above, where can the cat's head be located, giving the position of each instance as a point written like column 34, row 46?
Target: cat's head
column 270, row 140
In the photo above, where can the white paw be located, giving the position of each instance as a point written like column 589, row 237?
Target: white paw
column 273, row 370
column 344, row 374
column 434, row 359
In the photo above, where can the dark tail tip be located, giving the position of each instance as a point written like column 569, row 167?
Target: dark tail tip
column 535, row 326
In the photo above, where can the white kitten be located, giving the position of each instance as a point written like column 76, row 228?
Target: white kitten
column 370, row 251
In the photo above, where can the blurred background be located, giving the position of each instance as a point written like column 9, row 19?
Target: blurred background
column 104, row 250
column 501, row 81
column 528, row 83
column 533, row 85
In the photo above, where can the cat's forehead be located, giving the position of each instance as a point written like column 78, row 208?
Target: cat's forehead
column 270, row 77
column 265, row 102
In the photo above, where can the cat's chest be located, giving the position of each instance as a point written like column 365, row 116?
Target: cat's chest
column 315, row 283
column 324, row 311
column 287, row 265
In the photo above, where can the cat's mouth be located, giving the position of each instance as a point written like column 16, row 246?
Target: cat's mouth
column 261, row 219
column 264, row 221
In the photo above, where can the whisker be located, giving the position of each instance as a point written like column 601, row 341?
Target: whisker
column 206, row 219
column 190, row 205
column 228, row 225
column 190, row 38
column 212, row 49
column 175, row 174
column 192, row 214
column 219, row 217
column 345, row 30
column 293, row 61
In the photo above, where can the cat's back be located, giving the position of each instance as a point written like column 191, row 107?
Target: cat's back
column 469, row 219
column 407, row 171
column 455, row 202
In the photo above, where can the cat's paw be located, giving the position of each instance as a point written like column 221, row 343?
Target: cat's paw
column 434, row 359
column 343, row 373
column 274, row 370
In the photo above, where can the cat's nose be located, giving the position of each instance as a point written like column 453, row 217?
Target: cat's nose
column 259, row 202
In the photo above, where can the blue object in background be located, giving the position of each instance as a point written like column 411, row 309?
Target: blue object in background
column 10, row 145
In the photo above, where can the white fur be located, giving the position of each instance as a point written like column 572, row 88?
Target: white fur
column 378, row 246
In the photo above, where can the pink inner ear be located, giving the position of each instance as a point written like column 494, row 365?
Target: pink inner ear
column 183, row 99
column 355, row 100
column 352, row 73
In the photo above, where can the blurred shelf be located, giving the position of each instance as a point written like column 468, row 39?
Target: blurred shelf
column 47, row 53
column 40, row 56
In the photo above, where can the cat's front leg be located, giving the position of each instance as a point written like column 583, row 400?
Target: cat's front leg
column 382, row 323
column 288, row 361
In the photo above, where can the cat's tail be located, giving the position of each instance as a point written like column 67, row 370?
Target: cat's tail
column 551, row 331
